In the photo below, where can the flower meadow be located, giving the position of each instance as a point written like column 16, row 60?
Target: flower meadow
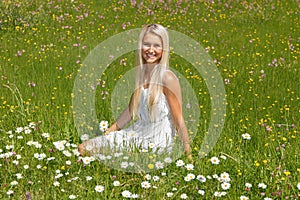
column 256, row 48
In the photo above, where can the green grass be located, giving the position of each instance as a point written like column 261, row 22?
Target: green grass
column 39, row 62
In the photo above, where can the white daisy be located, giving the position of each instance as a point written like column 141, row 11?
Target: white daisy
column 215, row 160
column 99, row 188
column 146, row 184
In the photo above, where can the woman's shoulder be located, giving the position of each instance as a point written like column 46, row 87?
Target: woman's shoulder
column 169, row 77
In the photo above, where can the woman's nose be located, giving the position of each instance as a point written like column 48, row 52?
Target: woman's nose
column 151, row 49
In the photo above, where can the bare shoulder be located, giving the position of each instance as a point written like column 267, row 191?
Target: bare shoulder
column 169, row 78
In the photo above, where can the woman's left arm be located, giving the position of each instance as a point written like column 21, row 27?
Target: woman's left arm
column 172, row 92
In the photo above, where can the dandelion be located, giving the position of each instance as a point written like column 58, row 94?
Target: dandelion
column 99, row 188
column 214, row 160
column 246, row 136
column 145, row 184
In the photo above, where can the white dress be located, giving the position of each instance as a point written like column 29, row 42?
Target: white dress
column 143, row 134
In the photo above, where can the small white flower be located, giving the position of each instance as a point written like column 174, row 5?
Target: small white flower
column 56, row 183
column 169, row 194
column 189, row 167
column 201, row 178
column 179, row 163
column 201, row 192
column 134, row 196
column 267, row 198
column 124, row 165
column 155, row 178
column 116, row 183
column 88, row 178
column 168, row 160
column 26, row 166
column 148, row 177
column 298, row 186
column 68, row 162
column 246, row 136
column 159, row 165
column 224, row 177
column 225, row 186
column 248, row 185
column 72, row 196
column 14, row 183
column 19, row 129
column 215, row 160
column 146, row 184
column 45, row 135
column 67, row 153
column 262, row 185
column 19, row 176
column 10, row 192
column 244, row 198
column 183, row 196
column 126, row 194
column 99, row 188
column 103, row 126
column 151, row 145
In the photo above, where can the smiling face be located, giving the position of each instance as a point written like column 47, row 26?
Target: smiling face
column 152, row 48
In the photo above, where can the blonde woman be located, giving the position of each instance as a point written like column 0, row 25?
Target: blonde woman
column 155, row 106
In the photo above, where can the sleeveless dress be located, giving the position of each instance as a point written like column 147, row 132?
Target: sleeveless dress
column 143, row 134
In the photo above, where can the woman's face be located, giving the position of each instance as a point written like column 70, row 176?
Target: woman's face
column 152, row 48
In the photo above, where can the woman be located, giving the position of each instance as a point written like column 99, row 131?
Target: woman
column 155, row 106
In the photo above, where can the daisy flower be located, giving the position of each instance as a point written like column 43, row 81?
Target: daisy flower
column 145, row 184
column 189, row 167
column 262, row 185
column 225, row 186
column 179, row 163
column 201, row 192
column 126, row 194
column 215, row 160
column 99, row 188
column 159, row 165
column 244, row 198
column 103, row 125
column 246, row 136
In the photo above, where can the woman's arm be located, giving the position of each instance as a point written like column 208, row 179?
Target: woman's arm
column 172, row 91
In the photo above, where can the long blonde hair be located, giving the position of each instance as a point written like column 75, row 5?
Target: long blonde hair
column 155, row 86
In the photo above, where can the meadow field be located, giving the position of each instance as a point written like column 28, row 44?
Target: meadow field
column 255, row 46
